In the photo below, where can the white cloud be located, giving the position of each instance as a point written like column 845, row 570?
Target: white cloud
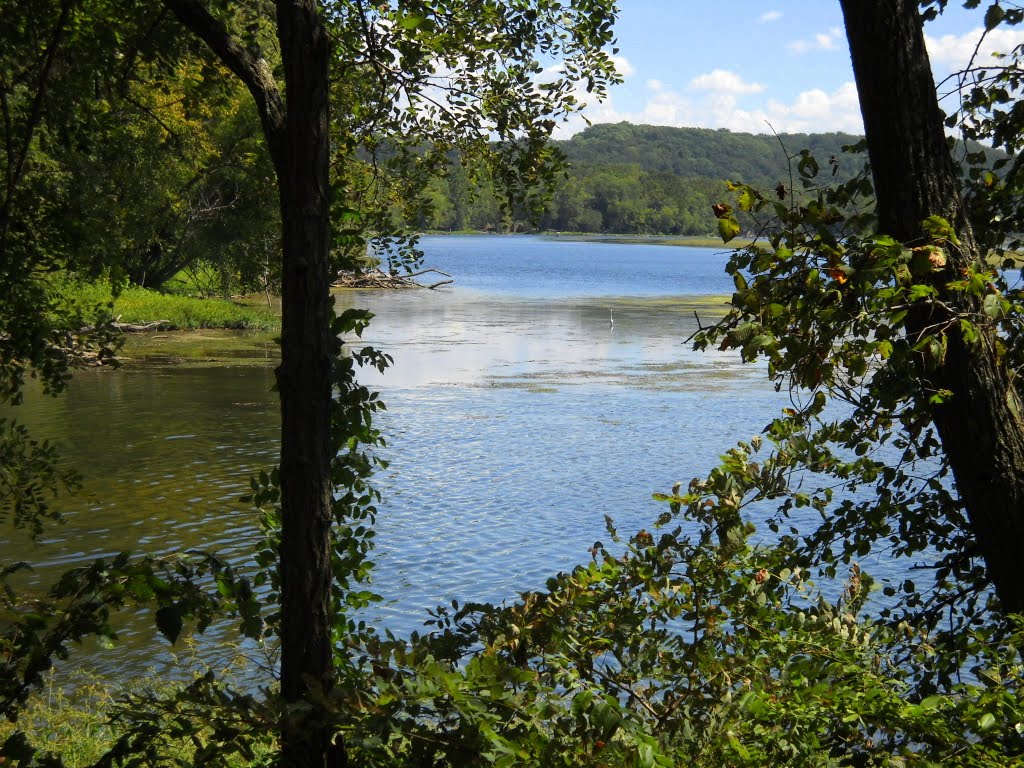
column 810, row 111
column 823, row 41
column 815, row 110
column 655, row 85
column 723, row 81
column 954, row 52
column 770, row 16
column 623, row 65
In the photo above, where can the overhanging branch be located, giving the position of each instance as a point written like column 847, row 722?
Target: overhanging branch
column 251, row 70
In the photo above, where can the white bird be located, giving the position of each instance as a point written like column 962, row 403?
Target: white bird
column 611, row 318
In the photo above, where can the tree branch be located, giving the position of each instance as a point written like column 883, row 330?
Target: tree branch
column 251, row 70
column 15, row 174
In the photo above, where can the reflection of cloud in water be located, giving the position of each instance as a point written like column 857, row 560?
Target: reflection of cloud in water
column 462, row 338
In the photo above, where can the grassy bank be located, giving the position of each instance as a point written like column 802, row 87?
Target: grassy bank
column 140, row 305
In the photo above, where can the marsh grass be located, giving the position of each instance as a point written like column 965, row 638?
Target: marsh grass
column 182, row 312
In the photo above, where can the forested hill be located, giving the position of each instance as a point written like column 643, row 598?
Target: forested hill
column 644, row 179
column 704, row 152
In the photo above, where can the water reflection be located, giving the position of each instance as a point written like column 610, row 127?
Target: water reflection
column 516, row 421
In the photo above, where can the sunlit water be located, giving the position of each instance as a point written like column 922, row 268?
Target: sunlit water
column 518, row 417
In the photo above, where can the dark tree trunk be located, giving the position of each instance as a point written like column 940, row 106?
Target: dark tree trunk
column 981, row 425
column 297, row 134
column 304, row 377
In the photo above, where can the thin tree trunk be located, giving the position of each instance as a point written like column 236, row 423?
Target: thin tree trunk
column 981, row 425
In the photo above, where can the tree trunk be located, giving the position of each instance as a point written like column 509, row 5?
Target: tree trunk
column 304, row 379
column 980, row 426
column 297, row 134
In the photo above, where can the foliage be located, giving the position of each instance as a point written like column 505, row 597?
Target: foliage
column 826, row 309
column 990, row 111
column 691, row 645
column 125, row 147
column 494, row 58
column 696, row 643
column 30, row 478
column 176, row 172
column 71, row 725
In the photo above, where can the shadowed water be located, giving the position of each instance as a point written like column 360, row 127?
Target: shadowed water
column 518, row 417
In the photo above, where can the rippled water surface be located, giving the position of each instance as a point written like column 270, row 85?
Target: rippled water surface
column 518, row 417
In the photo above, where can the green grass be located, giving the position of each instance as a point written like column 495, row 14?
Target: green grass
column 139, row 305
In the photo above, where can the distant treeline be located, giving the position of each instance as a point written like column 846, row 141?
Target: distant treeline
column 643, row 179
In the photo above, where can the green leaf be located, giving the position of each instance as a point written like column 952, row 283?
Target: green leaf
column 645, row 756
column 169, row 622
column 992, row 306
column 606, row 717
column 728, row 228
column 993, row 16
column 938, row 228
column 808, row 166
column 411, row 21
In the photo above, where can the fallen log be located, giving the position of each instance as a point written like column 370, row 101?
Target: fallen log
column 117, row 325
column 153, row 325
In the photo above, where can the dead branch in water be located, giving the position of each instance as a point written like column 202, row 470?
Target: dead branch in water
column 378, row 278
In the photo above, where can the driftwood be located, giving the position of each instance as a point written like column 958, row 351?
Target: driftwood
column 117, row 325
column 378, row 278
column 153, row 325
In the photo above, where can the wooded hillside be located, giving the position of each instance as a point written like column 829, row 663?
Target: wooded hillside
column 641, row 179
column 644, row 179
column 703, row 152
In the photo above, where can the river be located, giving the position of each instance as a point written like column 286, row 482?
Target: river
column 518, row 417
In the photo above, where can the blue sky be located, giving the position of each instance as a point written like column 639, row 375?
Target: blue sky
column 743, row 64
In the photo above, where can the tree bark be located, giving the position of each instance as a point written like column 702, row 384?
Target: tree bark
column 297, row 134
column 308, row 349
column 981, row 425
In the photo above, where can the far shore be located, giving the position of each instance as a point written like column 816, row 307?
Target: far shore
column 607, row 237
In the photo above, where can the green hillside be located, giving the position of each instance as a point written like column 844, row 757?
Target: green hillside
column 703, row 152
column 647, row 180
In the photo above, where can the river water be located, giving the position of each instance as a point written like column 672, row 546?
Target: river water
column 518, row 417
